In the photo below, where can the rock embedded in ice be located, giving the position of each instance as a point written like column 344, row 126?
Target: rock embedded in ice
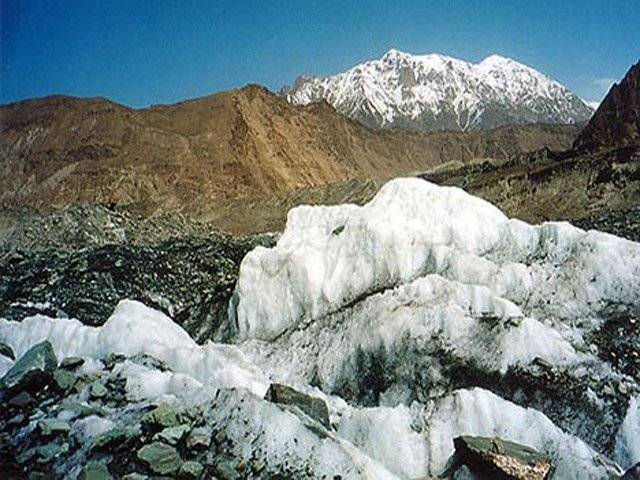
column 477, row 412
column 7, row 351
column 71, row 363
column 133, row 329
column 316, row 408
column 497, row 458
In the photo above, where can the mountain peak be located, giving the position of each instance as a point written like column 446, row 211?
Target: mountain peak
column 496, row 59
column 394, row 53
column 438, row 92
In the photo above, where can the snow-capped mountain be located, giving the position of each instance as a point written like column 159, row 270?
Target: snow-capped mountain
column 435, row 92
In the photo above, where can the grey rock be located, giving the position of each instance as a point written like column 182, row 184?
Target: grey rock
column 50, row 427
column 498, row 458
column 82, row 409
column 199, row 439
column 172, row 435
column 160, row 458
column 226, row 470
column 190, row 471
column 33, row 371
column 316, row 408
column 22, row 399
column 135, row 476
column 64, row 380
column 111, row 359
column 95, row 471
column 110, row 439
column 49, row 451
column 161, row 417
column 71, row 363
column 97, row 390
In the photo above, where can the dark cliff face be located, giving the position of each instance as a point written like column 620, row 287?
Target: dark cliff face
column 616, row 123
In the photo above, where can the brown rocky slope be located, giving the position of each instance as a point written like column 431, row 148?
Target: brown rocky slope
column 196, row 156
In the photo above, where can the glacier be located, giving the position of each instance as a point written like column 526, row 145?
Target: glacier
column 423, row 315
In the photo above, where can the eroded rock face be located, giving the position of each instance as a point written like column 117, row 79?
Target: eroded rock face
column 501, row 460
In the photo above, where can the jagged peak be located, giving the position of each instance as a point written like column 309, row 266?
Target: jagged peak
column 420, row 91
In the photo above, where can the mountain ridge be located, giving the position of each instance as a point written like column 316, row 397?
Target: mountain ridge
column 436, row 92
column 193, row 155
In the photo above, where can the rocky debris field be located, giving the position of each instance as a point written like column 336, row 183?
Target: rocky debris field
column 623, row 223
column 60, row 421
column 92, row 225
column 87, row 271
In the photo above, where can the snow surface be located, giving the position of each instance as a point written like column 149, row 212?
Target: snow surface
column 479, row 412
column 134, row 328
column 374, row 443
column 329, row 257
column 628, row 441
column 400, row 86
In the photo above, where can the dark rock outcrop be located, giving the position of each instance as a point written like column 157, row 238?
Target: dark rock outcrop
column 616, row 123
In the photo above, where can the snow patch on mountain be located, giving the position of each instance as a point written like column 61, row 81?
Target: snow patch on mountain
column 434, row 92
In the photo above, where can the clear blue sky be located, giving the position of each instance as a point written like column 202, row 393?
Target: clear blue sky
column 140, row 52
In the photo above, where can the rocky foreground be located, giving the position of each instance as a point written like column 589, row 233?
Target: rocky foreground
column 423, row 334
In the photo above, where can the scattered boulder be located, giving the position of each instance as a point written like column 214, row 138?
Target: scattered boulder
column 199, row 439
column 64, row 380
column 109, row 439
column 499, row 459
column 50, row 427
column 97, row 391
column 71, row 363
column 111, row 359
column 226, row 470
column 135, row 476
column 95, row 471
column 22, row 399
column 49, row 451
column 316, row 408
column 172, row 435
column 82, row 409
column 33, row 371
column 190, row 471
column 163, row 416
column 160, row 458
column 7, row 351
